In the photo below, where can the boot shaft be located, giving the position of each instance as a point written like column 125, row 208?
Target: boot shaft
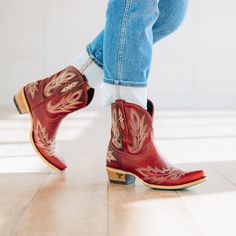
column 132, row 143
column 60, row 93
column 131, row 127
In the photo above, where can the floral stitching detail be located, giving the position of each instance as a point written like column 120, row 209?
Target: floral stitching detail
column 116, row 140
column 43, row 141
column 110, row 156
column 121, row 119
column 32, row 88
column 69, row 87
column 139, row 131
column 158, row 176
column 57, row 81
column 67, row 103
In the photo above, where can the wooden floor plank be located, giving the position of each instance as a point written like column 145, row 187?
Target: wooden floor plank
column 67, row 205
column 137, row 210
column 16, row 194
column 212, row 204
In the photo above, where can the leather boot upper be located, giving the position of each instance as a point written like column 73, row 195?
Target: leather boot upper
column 132, row 147
column 50, row 100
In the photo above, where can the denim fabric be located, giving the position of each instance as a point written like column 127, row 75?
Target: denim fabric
column 124, row 48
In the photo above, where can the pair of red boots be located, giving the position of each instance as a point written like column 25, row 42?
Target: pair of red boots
column 131, row 152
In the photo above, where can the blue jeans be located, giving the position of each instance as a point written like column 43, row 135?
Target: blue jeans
column 124, row 48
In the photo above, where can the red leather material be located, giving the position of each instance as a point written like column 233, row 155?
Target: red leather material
column 50, row 100
column 132, row 147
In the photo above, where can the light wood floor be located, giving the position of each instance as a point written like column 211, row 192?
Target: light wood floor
column 37, row 201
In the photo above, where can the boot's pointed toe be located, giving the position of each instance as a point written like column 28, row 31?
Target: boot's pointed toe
column 195, row 175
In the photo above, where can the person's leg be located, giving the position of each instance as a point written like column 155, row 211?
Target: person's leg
column 171, row 15
column 128, row 49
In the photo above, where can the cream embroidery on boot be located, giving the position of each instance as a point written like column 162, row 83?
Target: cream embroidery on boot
column 67, row 103
column 115, row 130
column 121, row 119
column 110, row 156
column 69, row 87
column 158, row 176
column 57, row 81
column 32, row 88
column 42, row 140
column 139, row 131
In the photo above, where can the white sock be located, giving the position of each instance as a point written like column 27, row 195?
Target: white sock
column 85, row 65
column 136, row 95
column 94, row 74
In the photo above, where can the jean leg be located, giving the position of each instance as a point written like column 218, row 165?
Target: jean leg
column 95, row 49
column 172, row 13
column 128, row 40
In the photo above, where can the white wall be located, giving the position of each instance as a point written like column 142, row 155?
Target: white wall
column 196, row 66
column 193, row 68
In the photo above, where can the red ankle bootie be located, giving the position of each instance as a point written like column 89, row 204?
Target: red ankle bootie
column 132, row 153
column 48, row 101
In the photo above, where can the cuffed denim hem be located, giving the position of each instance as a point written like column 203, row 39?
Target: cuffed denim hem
column 124, row 83
column 94, row 56
column 136, row 95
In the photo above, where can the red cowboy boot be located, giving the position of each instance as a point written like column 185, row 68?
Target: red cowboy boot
column 48, row 101
column 132, row 153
